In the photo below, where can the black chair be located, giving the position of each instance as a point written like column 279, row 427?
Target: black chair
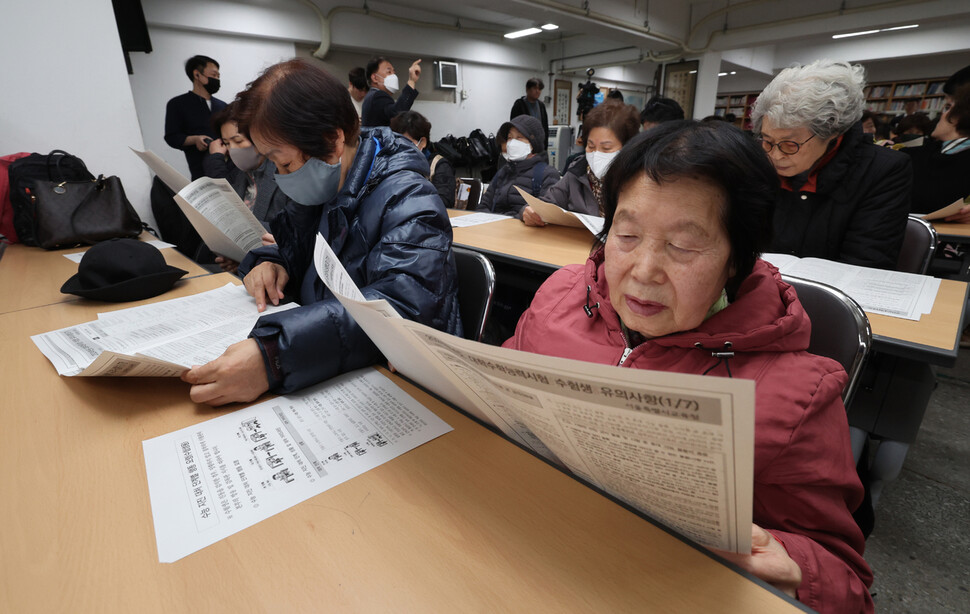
column 840, row 328
column 919, row 243
column 476, row 286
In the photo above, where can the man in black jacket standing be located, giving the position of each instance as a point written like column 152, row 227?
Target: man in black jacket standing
column 379, row 107
column 187, row 116
column 531, row 105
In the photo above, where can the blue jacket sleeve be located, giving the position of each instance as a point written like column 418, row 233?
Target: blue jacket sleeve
column 408, row 263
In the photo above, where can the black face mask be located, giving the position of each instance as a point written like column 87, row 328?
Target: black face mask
column 212, row 86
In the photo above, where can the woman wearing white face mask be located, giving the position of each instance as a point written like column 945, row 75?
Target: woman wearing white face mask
column 250, row 174
column 528, row 167
column 606, row 128
column 365, row 193
column 379, row 105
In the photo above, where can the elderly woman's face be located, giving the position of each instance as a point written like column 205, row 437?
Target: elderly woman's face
column 667, row 256
column 810, row 148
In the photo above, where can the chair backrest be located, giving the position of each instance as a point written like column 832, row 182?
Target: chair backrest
column 476, row 286
column 918, row 246
column 840, row 328
column 469, row 193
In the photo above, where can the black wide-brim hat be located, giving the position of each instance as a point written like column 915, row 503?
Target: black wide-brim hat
column 120, row 270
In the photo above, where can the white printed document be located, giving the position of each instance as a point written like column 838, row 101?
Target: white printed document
column 680, row 448
column 216, row 478
column 474, row 219
column 157, row 340
column 157, row 244
column 554, row 214
column 889, row 293
column 224, row 222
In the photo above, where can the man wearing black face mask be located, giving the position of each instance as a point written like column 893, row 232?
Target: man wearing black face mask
column 187, row 125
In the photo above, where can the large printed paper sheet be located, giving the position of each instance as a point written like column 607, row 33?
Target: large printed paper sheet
column 224, row 222
column 475, row 219
column 554, row 214
column 157, row 340
column 678, row 447
column 890, row 293
column 214, row 479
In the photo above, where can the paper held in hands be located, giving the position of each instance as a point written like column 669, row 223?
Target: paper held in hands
column 948, row 210
column 680, row 448
column 553, row 214
column 213, row 208
column 157, row 340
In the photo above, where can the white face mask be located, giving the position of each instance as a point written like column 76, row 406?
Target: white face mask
column 391, row 83
column 600, row 162
column 517, row 150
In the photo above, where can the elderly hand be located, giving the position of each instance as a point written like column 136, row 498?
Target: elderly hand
column 266, row 281
column 531, row 218
column 227, row 265
column 414, row 73
column 268, row 239
column 237, row 376
column 768, row 561
column 961, row 217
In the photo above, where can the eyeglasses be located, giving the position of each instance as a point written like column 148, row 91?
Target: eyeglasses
column 789, row 148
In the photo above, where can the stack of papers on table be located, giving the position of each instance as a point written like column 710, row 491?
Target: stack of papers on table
column 157, row 340
column 889, row 293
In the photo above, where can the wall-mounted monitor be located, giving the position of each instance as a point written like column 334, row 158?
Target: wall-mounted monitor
column 446, row 75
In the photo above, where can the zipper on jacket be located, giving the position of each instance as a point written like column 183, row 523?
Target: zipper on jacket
column 626, row 352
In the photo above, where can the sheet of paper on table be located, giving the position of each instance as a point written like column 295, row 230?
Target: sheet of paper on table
column 159, row 245
column 474, row 219
column 157, row 340
column 219, row 477
column 890, row 293
column 554, row 214
column 948, row 210
column 224, row 222
column 678, row 447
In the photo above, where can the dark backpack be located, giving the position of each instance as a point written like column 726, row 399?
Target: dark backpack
column 481, row 154
column 56, row 166
column 448, row 148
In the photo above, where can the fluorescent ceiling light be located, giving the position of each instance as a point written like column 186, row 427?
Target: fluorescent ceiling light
column 722, row 74
column 522, row 33
column 550, row 26
column 693, row 72
column 864, row 32
column 734, row 72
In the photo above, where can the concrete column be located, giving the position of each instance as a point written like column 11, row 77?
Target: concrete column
column 706, row 91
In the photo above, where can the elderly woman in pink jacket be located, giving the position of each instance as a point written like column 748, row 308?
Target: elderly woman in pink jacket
column 677, row 285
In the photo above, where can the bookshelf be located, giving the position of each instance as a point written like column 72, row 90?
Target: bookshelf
column 889, row 98
column 739, row 103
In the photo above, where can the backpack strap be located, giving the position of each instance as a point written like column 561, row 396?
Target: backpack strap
column 537, row 172
column 434, row 163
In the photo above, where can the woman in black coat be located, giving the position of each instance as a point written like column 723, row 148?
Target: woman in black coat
column 842, row 197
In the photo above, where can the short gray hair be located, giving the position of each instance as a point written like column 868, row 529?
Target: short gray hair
column 825, row 96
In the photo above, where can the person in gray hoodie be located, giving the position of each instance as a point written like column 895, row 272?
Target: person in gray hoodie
column 528, row 167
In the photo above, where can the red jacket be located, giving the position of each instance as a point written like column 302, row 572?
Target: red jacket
column 805, row 483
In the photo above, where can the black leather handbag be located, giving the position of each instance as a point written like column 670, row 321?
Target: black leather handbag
column 69, row 213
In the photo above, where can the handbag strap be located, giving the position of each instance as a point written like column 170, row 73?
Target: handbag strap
column 57, row 155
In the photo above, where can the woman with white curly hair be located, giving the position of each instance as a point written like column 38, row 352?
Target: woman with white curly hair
column 842, row 198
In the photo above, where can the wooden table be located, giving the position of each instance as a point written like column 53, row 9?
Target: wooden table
column 467, row 522
column 934, row 338
column 953, row 232
column 31, row 276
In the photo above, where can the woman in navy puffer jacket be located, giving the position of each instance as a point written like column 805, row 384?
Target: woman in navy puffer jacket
column 369, row 198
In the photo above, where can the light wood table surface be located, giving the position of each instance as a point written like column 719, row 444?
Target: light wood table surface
column 31, row 276
column 466, row 523
column 934, row 338
column 950, row 231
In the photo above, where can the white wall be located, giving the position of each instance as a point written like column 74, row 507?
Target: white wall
column 66, row 87
column 160, row 75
